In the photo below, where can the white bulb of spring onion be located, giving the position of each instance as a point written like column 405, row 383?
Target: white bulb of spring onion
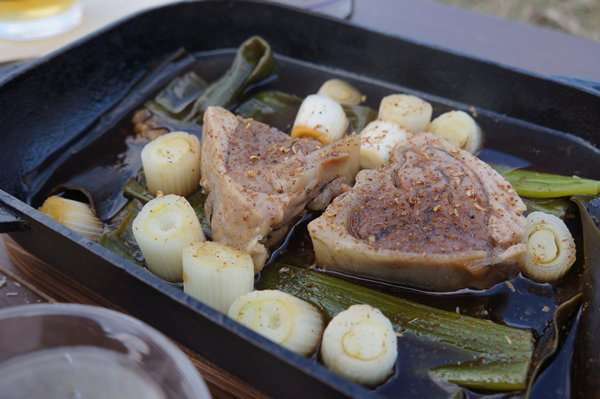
column 377, row 140
column 410, row 112
column 73, row 214
column 283, row 318
column 550, row 248
column 340, row 91
column 320, row 118
column 172, row 163
column 162, row 229
column 216, row 274
column 360, row 344
column 459, row 129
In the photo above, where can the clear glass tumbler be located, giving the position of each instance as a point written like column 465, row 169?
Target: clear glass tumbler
column 38, row 19
column 78, row 351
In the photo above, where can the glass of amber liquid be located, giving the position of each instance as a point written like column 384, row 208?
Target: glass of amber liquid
column 37, row 19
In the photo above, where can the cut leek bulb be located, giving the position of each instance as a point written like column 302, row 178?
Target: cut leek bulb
column 550, row 248
column 410, row 112
column 377, row 140
column 458, row 128
column 172, row 164
column 73, row 214
column 320, row 118
column 216, row 274
column 162, row 229
column 281, row 317
column 360, row 344
column 340, row 91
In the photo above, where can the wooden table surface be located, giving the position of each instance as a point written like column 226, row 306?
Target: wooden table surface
column 539, row 50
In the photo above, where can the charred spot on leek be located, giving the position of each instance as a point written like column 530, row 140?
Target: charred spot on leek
column 272, row 107
column 253, row 62
column 547, row 185
column 481, row 339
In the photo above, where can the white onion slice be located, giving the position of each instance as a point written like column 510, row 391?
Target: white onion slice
column 550, row 248
column 216, row 274
column 377, row 140
column 360, row 344
column 73, row 214
column 172, row 164
column 410, row 112
column 459, row 129
column 320, row 118
column 340, row 91
column 162, row 229
column 281, row 317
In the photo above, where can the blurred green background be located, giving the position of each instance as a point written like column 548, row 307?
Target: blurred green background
column 577, row 17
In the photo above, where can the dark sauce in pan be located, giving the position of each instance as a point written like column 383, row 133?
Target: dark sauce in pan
column 100, row 162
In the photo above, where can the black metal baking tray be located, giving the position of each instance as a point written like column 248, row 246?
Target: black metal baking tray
column 51, row 104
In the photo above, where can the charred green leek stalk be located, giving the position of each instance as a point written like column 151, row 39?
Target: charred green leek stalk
column 359, row 116
column 181, row 92
column 501, row 354
column 273, row 107
column 253, row 62
column 545, row 185
column 118, row 235
column 136, row 189
column 175, row 101
column 553, row 206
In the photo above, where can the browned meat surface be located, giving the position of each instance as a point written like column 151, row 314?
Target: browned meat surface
column 435, row 217
column 260, row 180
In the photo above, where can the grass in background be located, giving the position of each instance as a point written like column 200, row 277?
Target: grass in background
column 577, row 17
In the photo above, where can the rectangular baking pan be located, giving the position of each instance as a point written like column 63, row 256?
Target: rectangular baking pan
column 50, row 104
